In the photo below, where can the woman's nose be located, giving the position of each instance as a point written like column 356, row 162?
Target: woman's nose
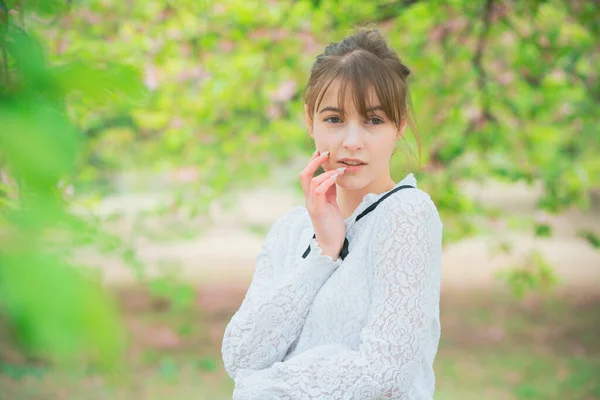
column 353, row 136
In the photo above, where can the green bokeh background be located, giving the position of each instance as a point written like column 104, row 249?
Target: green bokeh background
column 502, row 91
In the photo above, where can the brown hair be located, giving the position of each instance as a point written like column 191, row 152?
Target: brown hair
column 363, row 60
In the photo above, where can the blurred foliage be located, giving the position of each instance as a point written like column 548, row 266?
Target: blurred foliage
column 535, row 273
column 502, row 91
column 592, row 238
column 56, row 309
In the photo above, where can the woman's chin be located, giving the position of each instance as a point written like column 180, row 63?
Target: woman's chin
column 349, row 182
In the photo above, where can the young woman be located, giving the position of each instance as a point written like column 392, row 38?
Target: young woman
column 344, row 301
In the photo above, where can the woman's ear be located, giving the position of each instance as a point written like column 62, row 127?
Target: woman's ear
column 308, row 120
column 401, row 130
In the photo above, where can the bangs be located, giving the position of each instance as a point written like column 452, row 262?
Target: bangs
column 371, row 83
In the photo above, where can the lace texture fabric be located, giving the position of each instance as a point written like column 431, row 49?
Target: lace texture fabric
column 363, row 328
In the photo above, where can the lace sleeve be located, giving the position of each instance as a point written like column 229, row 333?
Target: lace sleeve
column 400, row 338
column 275, row 306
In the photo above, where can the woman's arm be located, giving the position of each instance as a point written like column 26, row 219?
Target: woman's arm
column 400, row 338
column 275, row 306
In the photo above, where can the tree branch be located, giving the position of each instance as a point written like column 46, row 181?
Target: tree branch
column 4, row 28
column 391, row 10
column 477, row 60
column 120, row 121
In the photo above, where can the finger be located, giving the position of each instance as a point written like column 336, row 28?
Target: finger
column 317, row 180
column 319, row 194
column 309, row 171
column 331, row 196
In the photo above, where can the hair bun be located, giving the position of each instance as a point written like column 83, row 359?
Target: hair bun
column 405, row 70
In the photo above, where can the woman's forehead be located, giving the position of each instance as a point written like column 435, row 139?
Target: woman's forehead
column 331, row 96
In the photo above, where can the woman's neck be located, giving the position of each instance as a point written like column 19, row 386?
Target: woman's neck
column 348, row 200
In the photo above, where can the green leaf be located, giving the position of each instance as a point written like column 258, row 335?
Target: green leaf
column 101, row 81
column 41, row 7
column 38, row 141
column 591, row 237
column 543, row 230
column 57, row 312
column 168, row 369
column 29, row 57
column 207, row 364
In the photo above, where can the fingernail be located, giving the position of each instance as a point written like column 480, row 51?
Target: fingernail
column 341, row 169
column 334, row 176
column 324, row 154
column 316, row 152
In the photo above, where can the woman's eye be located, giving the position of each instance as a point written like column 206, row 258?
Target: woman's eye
column 373, row 120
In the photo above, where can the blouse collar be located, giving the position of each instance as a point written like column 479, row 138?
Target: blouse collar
column 371, row 198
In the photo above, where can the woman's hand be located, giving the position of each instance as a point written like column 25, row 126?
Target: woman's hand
column 325, row 214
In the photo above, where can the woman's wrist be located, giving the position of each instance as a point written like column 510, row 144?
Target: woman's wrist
column 331, row 253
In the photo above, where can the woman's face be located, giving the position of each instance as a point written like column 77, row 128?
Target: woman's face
column 371, row 140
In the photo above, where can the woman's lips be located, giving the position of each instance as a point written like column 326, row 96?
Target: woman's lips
column 353, row 168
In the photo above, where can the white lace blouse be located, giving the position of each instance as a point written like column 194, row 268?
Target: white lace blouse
column 365, row 327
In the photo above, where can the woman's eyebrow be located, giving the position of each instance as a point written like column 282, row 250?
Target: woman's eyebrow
column 329, row 109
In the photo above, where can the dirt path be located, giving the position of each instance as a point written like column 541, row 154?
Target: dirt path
column 227, row 250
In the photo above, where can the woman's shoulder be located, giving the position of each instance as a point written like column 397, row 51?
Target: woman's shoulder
column 410, row 202
column 287, row 223
column 294, row 217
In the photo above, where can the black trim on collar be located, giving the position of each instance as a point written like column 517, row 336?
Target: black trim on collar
column 344, row 251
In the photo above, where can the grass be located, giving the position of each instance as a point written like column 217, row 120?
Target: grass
column 493, row 347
